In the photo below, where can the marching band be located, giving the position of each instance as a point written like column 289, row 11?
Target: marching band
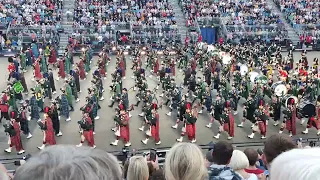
column 217, row 79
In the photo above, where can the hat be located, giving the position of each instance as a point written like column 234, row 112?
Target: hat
column 261, row 103
column 46, row 109
column 188, row 106
column 125, row 89
column 13, row 114
column 121, row 106
column 154, row 106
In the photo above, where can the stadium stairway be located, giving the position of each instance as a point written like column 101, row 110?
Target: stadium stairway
column 180, row 18
column 66, row 25
column 292, row 34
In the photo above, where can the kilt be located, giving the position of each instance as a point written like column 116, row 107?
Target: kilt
column 262, row 127
column 289, row 125
column 88, row 135
column 50, row 137
column 102, row 72
column 155, row 133
column 191, row 131
column 16, row 142
column 124, row 133
column 313, row 122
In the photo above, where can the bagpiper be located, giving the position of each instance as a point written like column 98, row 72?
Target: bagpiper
column 48, row 132
column 124, row 130
column 86, row 130
column 153, row 120
column 13, row 131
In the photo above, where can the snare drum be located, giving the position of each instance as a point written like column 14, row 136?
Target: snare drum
column 287, row 98
column 279, row 88
column 306, row 109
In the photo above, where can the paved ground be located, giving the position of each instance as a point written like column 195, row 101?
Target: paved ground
column 104, row 135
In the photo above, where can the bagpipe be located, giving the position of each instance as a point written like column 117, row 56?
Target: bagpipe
column 9, row 129
column 42, row 125
column 84, row 125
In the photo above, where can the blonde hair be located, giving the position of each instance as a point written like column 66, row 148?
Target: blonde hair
column 296, row 164
column 239, row 160
column 138, row 168
column 185, row 161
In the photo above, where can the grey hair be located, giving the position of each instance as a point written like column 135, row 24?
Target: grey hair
column 63, row 162
column 3, row 176
column 138, row 168
column 185, row 161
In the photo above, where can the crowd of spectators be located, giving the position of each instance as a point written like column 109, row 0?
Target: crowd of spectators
column 30, row 12
column 281, row 159
column 153, row 19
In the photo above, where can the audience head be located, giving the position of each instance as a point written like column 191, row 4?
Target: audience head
column 297, row 164
column 275, row 145
column 70, row 162
column 222, row 153
column 185, row 161
column 138, row 168
column 252, row 156
column 238, row 160
column 3, row 173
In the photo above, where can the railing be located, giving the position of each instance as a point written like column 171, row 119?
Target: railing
column 209, row 21
column 8, row 29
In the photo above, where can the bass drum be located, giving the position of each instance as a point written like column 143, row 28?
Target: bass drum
column 287, row 98
column 279, row 88
column 306, row 109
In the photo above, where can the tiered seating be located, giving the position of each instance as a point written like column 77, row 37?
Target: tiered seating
column 303, row 15
column 197, row 9
column 142, row 34
column 31, row 12
column 97, row 38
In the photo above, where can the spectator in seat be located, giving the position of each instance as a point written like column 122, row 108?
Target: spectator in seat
column 253, row 157
column 297, row 164
column 221, row 156
column 239, row 162
column 138, row 168
column 274, row 146
column 70, row 162
column 185, row 161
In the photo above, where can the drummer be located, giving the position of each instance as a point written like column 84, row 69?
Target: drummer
column 289, row 120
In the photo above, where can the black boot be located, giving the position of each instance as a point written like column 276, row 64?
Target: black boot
column 111, row 105
column 137, row 104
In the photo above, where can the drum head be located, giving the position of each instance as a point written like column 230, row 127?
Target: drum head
column 226, row 60
column 280, row 90
column 261, row 79
column 253, row 75
column 309, row 110
column 244, row 70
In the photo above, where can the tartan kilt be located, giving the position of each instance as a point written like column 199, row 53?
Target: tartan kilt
column 262, row 126
column 190, row 129
column 124, row 133
column 102, row 72
column 88, row 135
column 50, row 137
column 153, row 131
column 16, row 142
column 289, row 125
column 226, row 127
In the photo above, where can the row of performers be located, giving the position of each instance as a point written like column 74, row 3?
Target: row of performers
column 50, row 125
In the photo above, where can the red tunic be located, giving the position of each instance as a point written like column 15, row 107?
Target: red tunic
column 156, row 67
column 11, row 67
column 125, row 130
column 121, row 65
column 49, row 132
column 82, row 72
column 53, row 56
column 88, row 135
column 155, row 129
column 16, row 140
column 229, row 127
column 37, row 72
column 173, row 68
column 62, row 73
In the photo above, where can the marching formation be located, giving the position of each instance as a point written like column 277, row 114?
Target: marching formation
column 217, row 79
